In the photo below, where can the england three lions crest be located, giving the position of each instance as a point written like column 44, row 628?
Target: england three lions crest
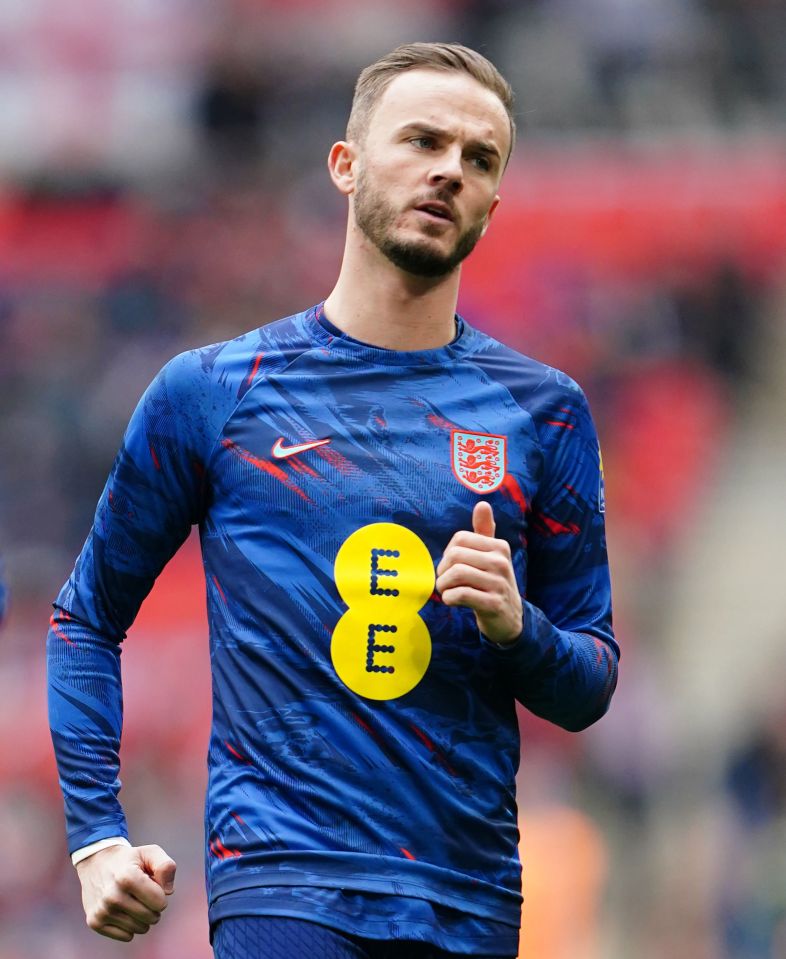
column 479, row 460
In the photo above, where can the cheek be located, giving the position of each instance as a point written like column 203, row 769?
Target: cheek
column 484, row 208
column 398, row 170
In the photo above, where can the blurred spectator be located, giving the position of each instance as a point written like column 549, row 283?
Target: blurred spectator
column 721, row 321
column 748, row 71
column 565, row 864
column 752, row 910
column 231, row 111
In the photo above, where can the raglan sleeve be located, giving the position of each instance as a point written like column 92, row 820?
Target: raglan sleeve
column 564, row 665
column 155, row 492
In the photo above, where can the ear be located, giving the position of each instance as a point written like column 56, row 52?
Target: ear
column 341, row 165
column 490, row 214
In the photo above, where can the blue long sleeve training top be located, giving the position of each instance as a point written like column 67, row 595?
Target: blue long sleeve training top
column 364, row 744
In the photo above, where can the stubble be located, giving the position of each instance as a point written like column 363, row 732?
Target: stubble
column 375, row 217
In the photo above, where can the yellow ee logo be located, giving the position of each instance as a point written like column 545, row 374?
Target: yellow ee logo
column 381, row 647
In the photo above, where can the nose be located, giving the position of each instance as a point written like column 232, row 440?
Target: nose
column 447, row 169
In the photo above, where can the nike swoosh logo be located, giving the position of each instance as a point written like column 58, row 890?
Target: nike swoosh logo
column 281, row 452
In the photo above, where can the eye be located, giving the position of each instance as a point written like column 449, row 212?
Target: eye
column 482, row 162
column 423, row 143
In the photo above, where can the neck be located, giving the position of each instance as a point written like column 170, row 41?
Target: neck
column 377, row 303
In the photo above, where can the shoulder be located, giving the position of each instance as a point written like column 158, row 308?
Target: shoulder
column 197, row 391
column 536, row 386
column 228, row 368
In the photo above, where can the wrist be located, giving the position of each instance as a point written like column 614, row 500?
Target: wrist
column 504, row 644
column 506, row 636
column 79, row 855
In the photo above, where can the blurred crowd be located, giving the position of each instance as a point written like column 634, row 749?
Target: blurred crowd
column 140, row 85
column 162, row 186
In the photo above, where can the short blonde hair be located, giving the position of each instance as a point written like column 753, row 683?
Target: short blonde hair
column 374, row 80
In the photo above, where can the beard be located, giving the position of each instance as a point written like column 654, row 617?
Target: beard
column 375, row 217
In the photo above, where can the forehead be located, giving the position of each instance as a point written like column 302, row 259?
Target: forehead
column 444, row 99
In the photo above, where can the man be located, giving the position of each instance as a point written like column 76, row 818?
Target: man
column 377, row 486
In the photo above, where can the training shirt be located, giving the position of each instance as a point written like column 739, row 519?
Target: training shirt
column 364, row 743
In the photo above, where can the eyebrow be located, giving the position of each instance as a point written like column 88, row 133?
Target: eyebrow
column 482, row 146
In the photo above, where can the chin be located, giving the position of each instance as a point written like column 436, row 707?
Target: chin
column 420, row 259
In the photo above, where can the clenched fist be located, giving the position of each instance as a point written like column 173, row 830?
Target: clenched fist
column 124, row 889
column 476, row 571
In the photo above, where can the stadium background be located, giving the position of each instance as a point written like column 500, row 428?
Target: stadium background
column 162, row 186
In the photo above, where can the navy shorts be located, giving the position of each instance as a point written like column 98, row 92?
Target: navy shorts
column 278, row 937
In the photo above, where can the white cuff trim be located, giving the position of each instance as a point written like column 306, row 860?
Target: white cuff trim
column 80, row 854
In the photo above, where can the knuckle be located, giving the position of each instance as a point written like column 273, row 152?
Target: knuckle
column 500, row 588
column 113, row 896
column 127, row 879
column 101, row 914
column 124, row 883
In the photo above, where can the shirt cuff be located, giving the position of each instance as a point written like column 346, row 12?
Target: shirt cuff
column 79, row 854
column 528, row 650
column 502, row 646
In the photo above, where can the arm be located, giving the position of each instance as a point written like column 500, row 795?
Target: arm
column 152, row 497
column 563, row 676
column 557, row 647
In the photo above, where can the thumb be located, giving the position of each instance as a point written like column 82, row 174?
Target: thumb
column 159, row 866
column 483, row 519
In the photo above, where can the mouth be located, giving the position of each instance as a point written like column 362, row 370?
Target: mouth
column 436, row 210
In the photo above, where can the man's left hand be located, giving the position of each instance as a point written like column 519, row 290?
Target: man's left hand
column 476, row 571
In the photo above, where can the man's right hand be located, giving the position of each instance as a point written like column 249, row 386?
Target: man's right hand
column 124, row 889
